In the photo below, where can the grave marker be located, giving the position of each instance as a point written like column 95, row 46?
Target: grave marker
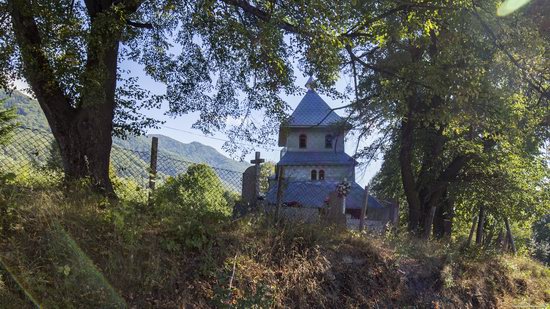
column 249, row 186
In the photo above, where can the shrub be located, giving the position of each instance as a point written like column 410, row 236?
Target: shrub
column 190, row 207
column 6, row 122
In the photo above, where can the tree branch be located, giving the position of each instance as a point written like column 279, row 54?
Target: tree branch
column 139, row 25
column 382, row 70
column 260, row 14
column 514, row 61
column 37, row 69
column 351, row 33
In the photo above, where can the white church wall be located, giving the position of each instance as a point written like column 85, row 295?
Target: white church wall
column 315, row 140
column 337, row 173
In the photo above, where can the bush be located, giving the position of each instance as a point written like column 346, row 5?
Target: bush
column 6, row 122
column 191, row 206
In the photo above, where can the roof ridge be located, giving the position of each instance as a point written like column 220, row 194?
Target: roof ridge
column 313, row 111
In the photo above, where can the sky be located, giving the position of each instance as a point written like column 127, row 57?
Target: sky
column 180, row 128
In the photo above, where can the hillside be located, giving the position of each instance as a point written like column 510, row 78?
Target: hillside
column 31, row 116
column 60, row 252
column 28, row 110
column 192, row 152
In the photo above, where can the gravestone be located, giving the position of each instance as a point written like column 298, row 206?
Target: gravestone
column 248, row 192
column 334, row 215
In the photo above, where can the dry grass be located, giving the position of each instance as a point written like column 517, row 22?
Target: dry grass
column 82, row 252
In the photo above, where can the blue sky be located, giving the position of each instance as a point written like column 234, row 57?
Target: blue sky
column 180, row 128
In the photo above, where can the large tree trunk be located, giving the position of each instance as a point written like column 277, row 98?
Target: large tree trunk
column 443, row 220
column 438, row 223
column 83, row 127
column 472, row 230
column 480, row 225
column 407, row 175
column 432, row 203
column 509, row 235
column 448, row 216
column 85, row 149
column 425, row 193
column 432, row 194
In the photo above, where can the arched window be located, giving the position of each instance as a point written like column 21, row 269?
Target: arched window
column 313, row 175
column 303, row 141
column 321, row 175
column 328, row 141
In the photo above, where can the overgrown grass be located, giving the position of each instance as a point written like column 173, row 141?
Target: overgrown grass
column 75, row 249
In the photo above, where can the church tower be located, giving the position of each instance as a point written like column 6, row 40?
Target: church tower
column 313, row 141
column 313, row 159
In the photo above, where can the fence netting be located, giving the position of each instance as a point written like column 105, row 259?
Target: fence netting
column 31, row 158
column 318, row 200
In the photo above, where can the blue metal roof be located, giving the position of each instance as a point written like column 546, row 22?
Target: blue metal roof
column 316, row 158
column 315, row 193
column 313, row 111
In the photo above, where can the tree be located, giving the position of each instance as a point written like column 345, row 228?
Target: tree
column 191, row 206
column 267, row 170
column 541, row 239
column 6, row 123
column 198, row 189
column 54, row 161
column 454, row 102
column 69, row 52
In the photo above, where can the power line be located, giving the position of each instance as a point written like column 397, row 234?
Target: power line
column 218, row 138
column 226, row 140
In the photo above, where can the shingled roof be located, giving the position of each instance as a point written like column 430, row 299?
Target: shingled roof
column 314, row 194
column 313, row 111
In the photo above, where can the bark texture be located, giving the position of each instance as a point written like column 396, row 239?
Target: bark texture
column 82, row 127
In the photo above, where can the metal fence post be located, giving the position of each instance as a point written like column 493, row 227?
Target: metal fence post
column 279, row 191
column 344, row 204
column 153, row 166
column 364, row 210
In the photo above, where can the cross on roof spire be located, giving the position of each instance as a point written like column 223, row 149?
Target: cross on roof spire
column 310, row 83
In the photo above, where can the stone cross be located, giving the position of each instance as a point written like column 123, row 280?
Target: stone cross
column 257, row 162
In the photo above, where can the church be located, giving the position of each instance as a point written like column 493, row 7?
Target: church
column 313, row 160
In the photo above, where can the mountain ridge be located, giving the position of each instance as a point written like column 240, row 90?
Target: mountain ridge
column 30, row 115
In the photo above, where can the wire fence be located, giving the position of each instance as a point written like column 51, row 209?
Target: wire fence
column 330, row 201
column 31, row 158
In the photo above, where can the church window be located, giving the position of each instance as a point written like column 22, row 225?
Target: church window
column 328, row 141
column 313, row 175
column 303, row 141
column 321, row 175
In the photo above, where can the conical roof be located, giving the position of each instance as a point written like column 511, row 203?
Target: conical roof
column 313, row 111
